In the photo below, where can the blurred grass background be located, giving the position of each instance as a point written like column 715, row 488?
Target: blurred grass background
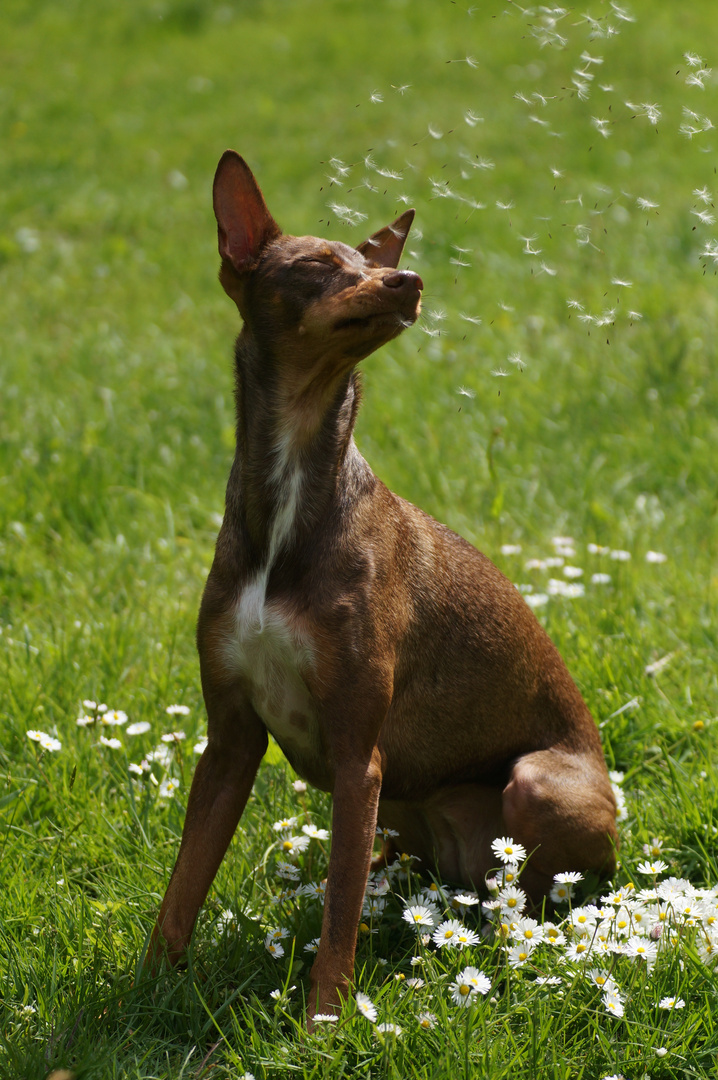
column 116, row 414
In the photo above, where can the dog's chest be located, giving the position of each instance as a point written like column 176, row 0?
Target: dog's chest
column 272, row 653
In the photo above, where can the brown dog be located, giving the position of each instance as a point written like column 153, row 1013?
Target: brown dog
column 393, row 663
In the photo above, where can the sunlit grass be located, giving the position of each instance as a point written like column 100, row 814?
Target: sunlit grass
column 557, row 405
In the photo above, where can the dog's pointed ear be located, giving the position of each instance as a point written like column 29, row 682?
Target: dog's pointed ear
column 384, row 248
column 244, row 224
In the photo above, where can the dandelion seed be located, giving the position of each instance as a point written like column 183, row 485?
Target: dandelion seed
column 435, row 133
column 702, row 194
column 472, row 119
column 376, row 97
column 693, row 60
column 602, row 126
column 401, row 89
column 504, row 206
column 704, row 216
column 500, row 373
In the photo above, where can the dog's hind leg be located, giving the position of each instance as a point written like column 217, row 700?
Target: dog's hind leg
column 560, row 806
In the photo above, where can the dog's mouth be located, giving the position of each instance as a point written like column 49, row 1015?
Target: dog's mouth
column 396, row 318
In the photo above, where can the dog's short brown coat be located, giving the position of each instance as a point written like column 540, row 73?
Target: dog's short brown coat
column 394, row 664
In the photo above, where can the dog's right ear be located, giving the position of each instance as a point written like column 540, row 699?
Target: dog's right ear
column 244, row 224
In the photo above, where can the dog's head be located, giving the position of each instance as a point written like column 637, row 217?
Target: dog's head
column 319, row 299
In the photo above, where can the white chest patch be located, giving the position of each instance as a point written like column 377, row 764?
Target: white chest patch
column 264, row 644
column 272, row 654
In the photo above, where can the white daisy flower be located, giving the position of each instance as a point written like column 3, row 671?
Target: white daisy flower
column 314, row 833
column 568, row 877
column 518, row 954
column 285, row 825
column 294, row 845
column 138, row 729
column 613, row 1003
column 507, row 850
column 561, row 894
column 552, row 935
column 427, row 1020
column 387, row 1028
column 579, row 950
column 168, row 787
column 173, row 737
column 602, row 980
column 527, row 931
column 365, row 1006
column 446, row 934
column 641, row 948
column 113, row 744
column 177, row 710
column 671, row 1003
column 274, row 948
column 114, row 718
column 325, row 1018
column 653, row 868
column 419, row 915
column 512, row 900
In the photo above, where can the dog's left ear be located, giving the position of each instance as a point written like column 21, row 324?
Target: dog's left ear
column 384, row 248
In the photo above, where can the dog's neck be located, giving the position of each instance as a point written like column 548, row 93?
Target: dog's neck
column 293, row 452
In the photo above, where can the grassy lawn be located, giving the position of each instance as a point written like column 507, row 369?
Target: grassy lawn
column 557, row 405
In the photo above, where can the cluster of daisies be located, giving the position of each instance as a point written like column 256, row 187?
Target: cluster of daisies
column 600, row 942
column 570, row 585
column 109, row 723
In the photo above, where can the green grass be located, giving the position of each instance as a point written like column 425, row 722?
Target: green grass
column 116, row 433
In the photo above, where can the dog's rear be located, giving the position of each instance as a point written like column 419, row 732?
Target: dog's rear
column 394, row 664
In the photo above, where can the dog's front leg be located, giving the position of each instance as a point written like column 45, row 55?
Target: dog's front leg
column 220, row 788
column 355, row 803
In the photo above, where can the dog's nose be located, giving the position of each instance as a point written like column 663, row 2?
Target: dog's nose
column 403, row 279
